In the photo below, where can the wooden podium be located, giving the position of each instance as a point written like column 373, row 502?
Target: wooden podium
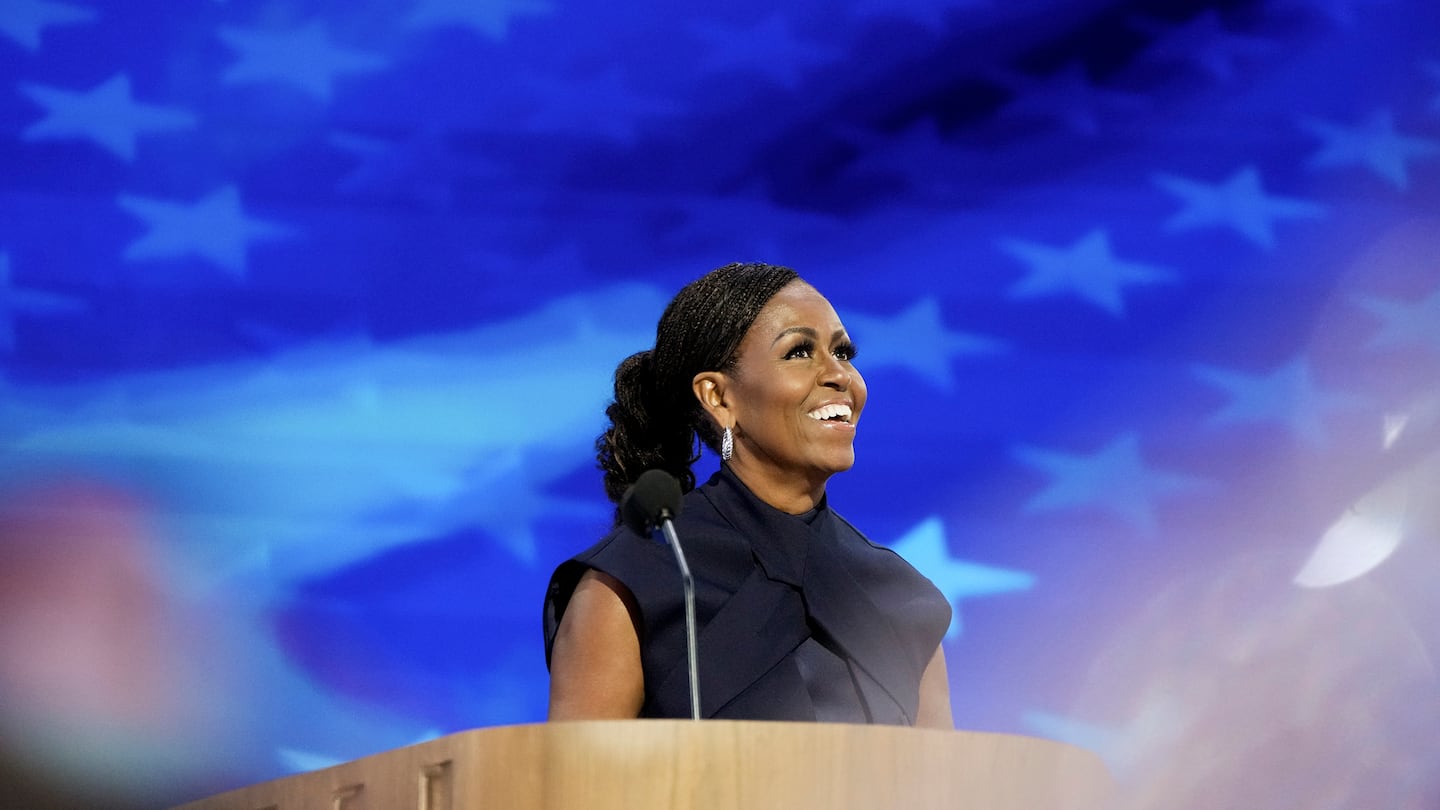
column 689, row 765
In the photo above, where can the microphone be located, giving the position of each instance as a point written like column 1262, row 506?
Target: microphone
column 651, row 500
column 650, row 503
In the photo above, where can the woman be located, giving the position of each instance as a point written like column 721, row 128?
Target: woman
column 800, row 617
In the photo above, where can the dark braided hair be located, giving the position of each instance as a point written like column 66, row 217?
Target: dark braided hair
column 655, row 417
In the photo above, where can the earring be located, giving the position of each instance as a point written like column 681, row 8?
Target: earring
column 727, row 445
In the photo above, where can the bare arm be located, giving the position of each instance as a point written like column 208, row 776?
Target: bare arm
column 935, row 694
column 595, row 671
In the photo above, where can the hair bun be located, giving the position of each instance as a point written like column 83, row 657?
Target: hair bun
column 655, row 419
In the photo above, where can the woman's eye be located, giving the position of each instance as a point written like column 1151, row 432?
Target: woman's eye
column 844, row 352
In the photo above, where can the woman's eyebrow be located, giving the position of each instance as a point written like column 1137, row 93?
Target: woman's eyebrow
column 801, row 330
column 839, row 334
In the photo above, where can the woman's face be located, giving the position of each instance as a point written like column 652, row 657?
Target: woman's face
column 794, row 393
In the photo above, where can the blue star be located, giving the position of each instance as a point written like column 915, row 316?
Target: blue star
column 1087, row 268
column 303, row 58
column 915, row 339
column 1202, row 41
column 1068, row 97
column 1286, row 395
column 924, row 547
column 771, row 50
column 107, row 115
column 15, row 300
column 1239, row 202
column 25, row 20
column 215, row 229
column 489, row 17
column 1114, row 479
column 1374, row 144
column 1406, row 323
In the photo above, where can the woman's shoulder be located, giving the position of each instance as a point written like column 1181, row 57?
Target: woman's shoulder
column 636, row 560
column 636, row 563
column 621, row 553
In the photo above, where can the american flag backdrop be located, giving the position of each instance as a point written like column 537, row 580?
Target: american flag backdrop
column 309, row 308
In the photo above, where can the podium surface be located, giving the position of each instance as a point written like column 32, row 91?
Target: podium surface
column 689, row 765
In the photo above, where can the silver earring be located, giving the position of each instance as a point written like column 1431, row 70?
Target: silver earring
column 727, row 445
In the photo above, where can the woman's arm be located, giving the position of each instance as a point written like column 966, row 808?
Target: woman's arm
column 595, row 671
column 935, row 694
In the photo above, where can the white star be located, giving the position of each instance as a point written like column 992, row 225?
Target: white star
column 1114, row 479
column 1068, row 97
column 25, row 20
column 924, row 547
column 1374, row 144
column 1286, row 395
column 915, row 339
column 15, row 300
column 1087, row 268
column 214, row 228
column 1406, row 322
column 107, row 115
column 489, row 17
column 1239, row 202
column 771, row 50
column 303, row 58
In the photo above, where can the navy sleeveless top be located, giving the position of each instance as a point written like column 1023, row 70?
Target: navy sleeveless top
column 799, row 617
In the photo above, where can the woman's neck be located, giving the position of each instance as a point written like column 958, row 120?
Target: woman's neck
column 789, row 494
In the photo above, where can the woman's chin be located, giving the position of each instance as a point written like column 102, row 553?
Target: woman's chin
column 838, row 464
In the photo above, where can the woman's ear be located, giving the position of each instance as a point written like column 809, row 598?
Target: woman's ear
column 709, row 388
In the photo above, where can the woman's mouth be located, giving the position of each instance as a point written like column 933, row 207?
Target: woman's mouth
column 834, row 412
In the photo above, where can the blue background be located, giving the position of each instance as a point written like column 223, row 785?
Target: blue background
column 324, row 298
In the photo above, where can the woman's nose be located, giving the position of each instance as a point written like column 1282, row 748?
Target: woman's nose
column 835, row 375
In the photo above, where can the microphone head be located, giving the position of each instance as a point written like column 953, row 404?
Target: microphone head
column 654, row 496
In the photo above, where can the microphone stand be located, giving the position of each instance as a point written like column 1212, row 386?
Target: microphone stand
column 688, row 582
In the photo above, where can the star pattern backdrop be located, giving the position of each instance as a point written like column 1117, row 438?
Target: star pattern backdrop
column 1147, row 295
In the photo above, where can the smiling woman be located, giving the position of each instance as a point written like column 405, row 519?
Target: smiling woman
column 792, row 398
column 800, row 616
